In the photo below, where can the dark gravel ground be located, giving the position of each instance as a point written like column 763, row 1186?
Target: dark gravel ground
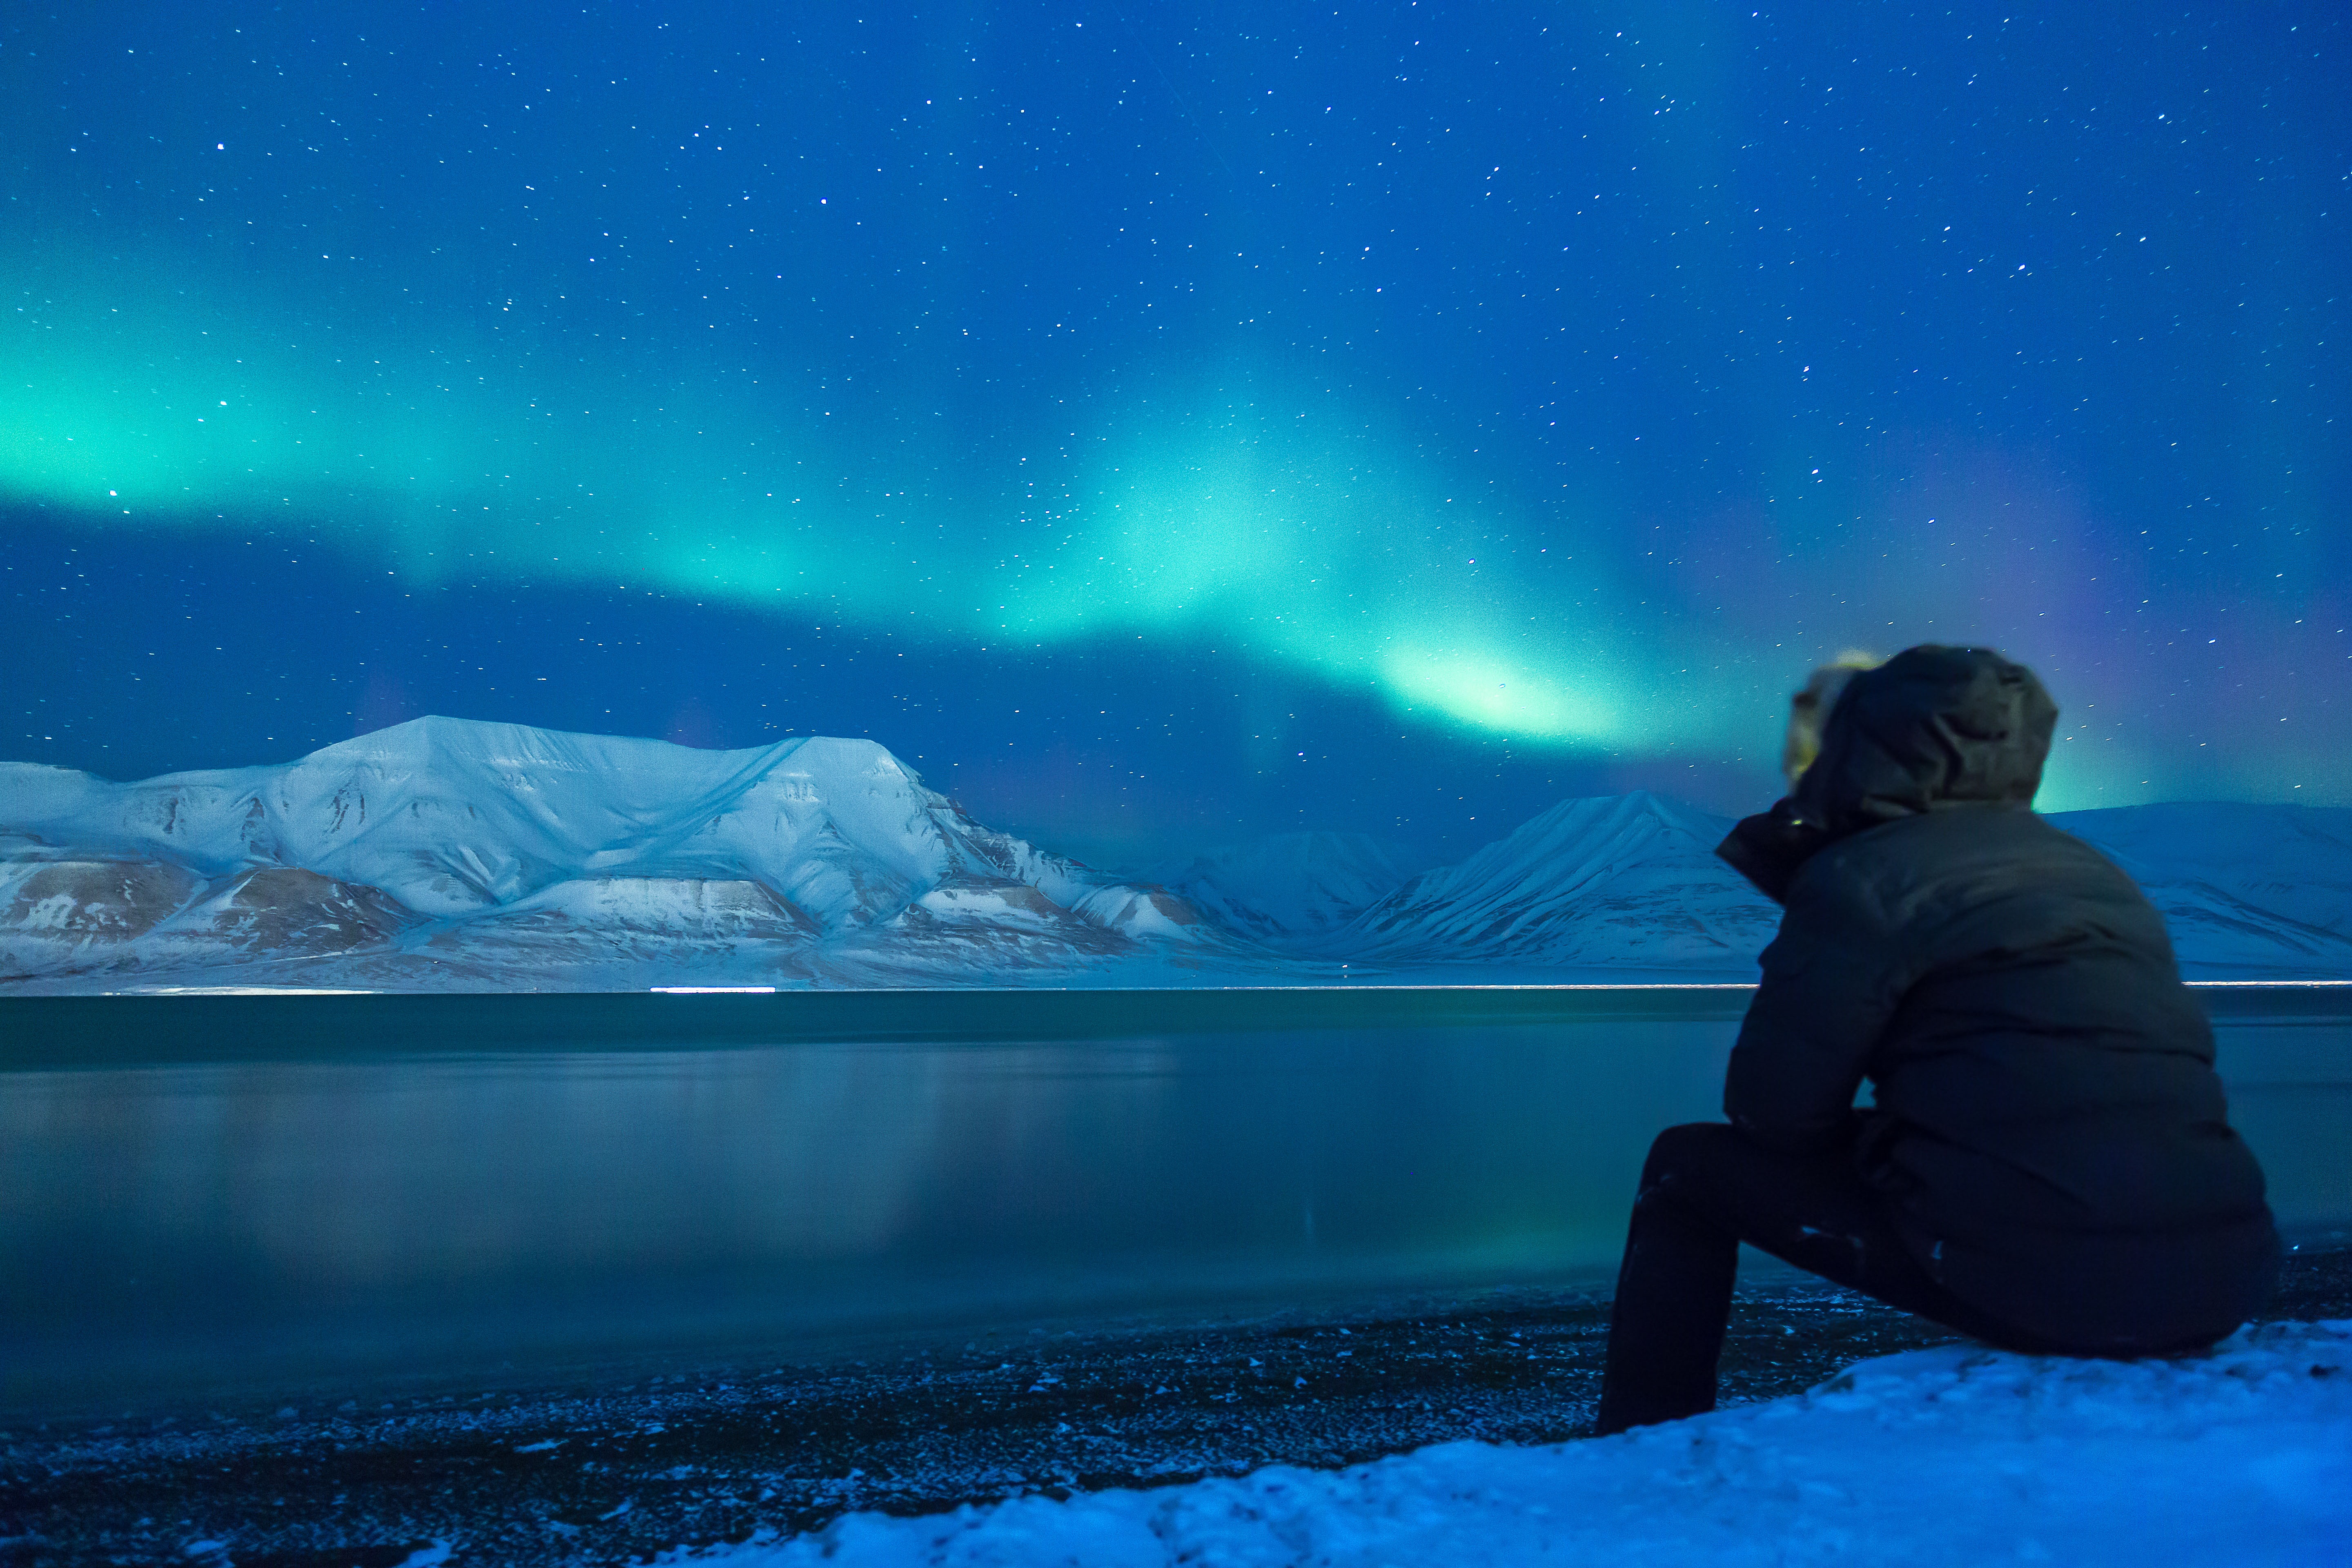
column 598, row 1474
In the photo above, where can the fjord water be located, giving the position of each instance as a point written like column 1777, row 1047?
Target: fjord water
column 208, row 1195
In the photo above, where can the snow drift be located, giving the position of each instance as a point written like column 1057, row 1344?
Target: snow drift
column 1950, row 1457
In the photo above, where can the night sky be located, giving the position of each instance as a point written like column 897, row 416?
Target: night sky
column 1161, row 424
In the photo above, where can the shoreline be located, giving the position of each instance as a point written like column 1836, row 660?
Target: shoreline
column 592, row 1473
column 109, row 1029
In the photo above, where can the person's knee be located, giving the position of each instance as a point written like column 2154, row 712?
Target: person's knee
column 1693, row 1146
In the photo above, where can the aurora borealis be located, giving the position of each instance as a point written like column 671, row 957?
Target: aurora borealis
column 1162, row 424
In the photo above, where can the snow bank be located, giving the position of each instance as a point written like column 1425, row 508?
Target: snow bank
column 1956, row 1456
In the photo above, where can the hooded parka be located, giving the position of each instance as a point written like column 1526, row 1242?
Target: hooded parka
column 2047, row 1124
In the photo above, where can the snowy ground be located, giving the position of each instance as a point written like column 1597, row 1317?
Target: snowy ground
column 1951, row 1455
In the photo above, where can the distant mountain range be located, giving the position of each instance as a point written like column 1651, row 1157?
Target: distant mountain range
column 1627, row 882
column 447, row 855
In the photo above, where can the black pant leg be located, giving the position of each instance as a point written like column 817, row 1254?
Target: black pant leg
column 1706, row 1188
column 1673, row 1302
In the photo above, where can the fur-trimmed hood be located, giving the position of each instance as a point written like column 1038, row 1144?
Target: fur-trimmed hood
column 1933, row 729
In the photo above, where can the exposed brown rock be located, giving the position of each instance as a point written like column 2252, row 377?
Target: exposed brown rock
column 108, row 901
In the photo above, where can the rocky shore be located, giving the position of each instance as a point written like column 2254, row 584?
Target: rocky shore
column 592, row 1471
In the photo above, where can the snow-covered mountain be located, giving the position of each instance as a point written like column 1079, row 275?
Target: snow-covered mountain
column 1628, row 884
column 447, row 852
column 1613, row 883
column 1293, row 887
column 2252, row 889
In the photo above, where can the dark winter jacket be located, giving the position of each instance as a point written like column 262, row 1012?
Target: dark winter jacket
column 2047, row 1126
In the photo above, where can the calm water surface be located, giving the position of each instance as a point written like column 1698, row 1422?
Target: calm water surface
column 323, row 1196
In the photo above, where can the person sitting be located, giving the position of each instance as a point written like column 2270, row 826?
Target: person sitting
column 2047, row 1165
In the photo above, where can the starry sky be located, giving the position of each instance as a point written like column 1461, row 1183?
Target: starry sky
column 1165, row 425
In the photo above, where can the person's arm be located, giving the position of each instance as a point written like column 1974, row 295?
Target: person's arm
column 1769, row 847
column 1832, row 979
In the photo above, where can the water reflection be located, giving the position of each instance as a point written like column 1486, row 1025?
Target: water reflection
column 163, row 1222
column 2291, row 1096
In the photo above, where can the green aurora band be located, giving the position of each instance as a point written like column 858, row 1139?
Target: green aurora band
column 1574, row 379
column 1289, row 522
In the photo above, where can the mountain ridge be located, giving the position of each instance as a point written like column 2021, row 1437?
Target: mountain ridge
column 1630, row 878
column 483, row 848
column 451, row 854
